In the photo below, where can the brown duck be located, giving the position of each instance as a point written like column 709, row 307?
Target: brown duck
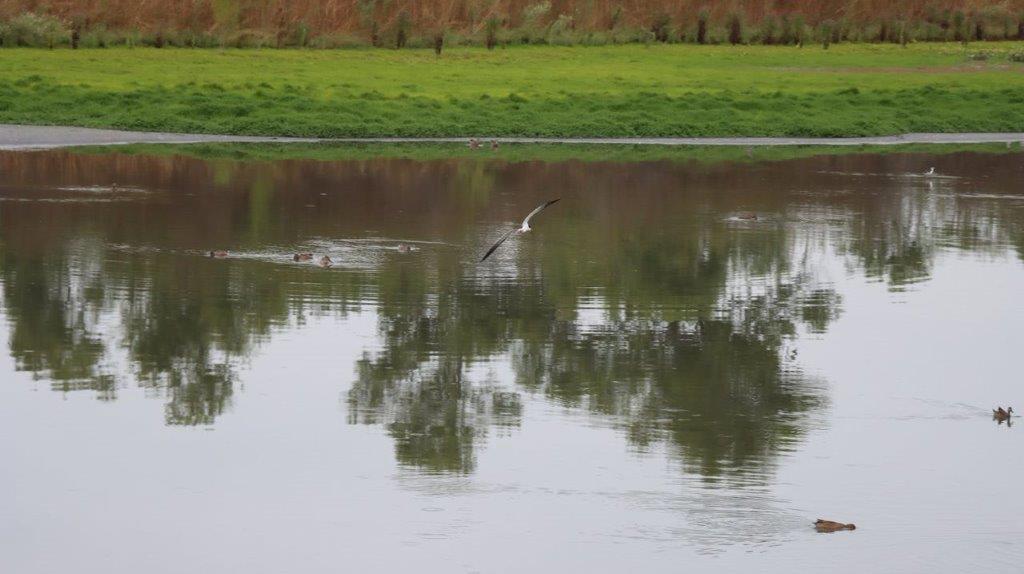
column 218, row 254
column 1000, row 415
column 302, row 257
column 325, row 261
column 831, row 526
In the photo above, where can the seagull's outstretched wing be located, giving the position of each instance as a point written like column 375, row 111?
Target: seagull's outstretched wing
column 540, row 209
column 495, row 246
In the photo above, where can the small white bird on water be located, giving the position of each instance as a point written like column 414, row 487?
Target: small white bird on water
column 931, row 171
column 519, row 230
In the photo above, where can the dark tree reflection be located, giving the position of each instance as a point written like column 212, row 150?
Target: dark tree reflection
column 642, row 300
column 52, row 310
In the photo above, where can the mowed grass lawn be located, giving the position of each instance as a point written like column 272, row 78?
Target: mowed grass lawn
column 634, row 90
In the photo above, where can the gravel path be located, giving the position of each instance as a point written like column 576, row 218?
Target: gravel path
column 42, row 137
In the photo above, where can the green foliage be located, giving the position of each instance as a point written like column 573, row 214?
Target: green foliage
column 825, row 32
column 36, row 30
column 735, row 29
column 402, row 30
column 707, row 155
column 491, row 29
column 301, row 35
column 562, row 31
column 768, row 32
column 660, row 27
column 438, row 42
column 959, row 27
column 787, row 31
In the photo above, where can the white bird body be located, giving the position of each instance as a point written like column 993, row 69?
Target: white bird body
column 931, row 171
column 524, row 228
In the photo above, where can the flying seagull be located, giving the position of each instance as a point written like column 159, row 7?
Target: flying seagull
column 519, row 230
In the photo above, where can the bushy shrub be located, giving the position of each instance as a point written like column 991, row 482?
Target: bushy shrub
column 438, row 42
column 660, row 27
column 250, row 39
column 561, row 30
column 301, row 34
column 768, row 32
column 959, row 27
column 792, row 30
column 229, row 23
column 402, row 29
column 735, row 29
column 826, row 30
column 334, row 41
column 36, row 30
column 491, row 31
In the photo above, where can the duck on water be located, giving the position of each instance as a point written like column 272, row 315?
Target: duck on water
column 1002, row 415
column 822, row 525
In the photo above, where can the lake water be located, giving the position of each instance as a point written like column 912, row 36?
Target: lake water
column 651, row 380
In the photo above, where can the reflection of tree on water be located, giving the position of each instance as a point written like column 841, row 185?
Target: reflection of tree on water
column 436, row 416
column 197, row 393
column 720, row 391
column 717, row 387
column 184, row 318
column 61, row 315
column 52, row 310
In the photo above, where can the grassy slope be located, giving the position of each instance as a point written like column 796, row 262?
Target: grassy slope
column 619, row 90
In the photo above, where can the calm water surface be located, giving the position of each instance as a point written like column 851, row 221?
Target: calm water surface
column 647, row 381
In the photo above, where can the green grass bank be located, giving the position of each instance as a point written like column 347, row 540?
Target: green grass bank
column 707, row 155
column 633, row 90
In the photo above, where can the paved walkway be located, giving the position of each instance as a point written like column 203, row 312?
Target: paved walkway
column 41, row 137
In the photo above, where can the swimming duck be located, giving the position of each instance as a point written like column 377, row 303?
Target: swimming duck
column 831, row 526
column 404, row 248
column 325, row 261
column 931, row 171
column 473, row 143
column 302, row 257
column 494, row 144
column 1001, row 415
column 218, row 254
column 747, row 215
